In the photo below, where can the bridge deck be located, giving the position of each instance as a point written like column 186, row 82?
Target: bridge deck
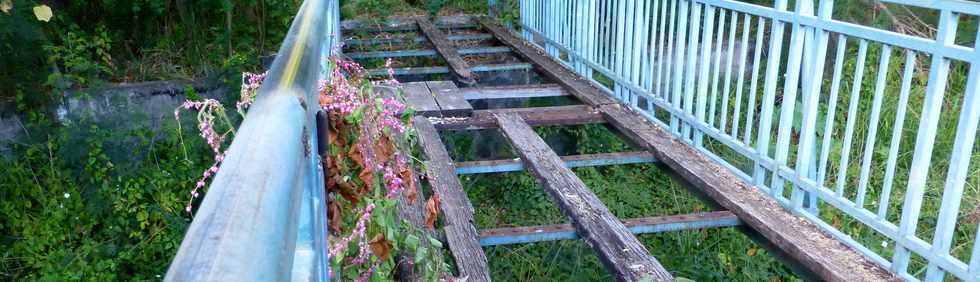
column 825, row 256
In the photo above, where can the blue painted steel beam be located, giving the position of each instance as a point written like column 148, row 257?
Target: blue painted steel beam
column 520, row 235
column 570, row 161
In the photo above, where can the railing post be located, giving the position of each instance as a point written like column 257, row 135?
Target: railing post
column 956, row 176
column 689, row 68
column 619, row 38
column 678, row 57
column 813, row 78
column 704, row 68
column 639, row 47
column 925, row 139
column 788, row 106
column 769, row 96
column 589, row 35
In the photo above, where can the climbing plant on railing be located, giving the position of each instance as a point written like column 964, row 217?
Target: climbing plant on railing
column 369, row 165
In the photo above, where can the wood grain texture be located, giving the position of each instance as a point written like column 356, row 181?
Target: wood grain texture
column 448, row 52
column 621, row 252
column 576, row 85
column 805, row 242
column 539, row 116
column 418, row 97
column 450, row 100
column 457, row 212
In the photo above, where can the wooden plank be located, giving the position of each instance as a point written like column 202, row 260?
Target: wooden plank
column 414, row 213
column 646, row 225
column 513, row 91
column 829, row 258
column 578, row 86
column 457, row 212
column 603, row 159
column 418, row 96
column 622, row 254
column 539, row 116
column 456, row 63
column 450, row 100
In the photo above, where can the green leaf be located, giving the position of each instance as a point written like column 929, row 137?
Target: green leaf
column 412, row 241
column 435, row 243
column 421, row 254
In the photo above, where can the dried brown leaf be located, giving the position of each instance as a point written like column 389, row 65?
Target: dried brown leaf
column 380, row 246
column 432, row 211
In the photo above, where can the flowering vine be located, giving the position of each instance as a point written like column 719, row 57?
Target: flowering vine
column 368, row 166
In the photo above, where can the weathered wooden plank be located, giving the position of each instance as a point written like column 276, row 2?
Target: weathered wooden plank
column 456, row 209
column 578, row 86
column 829, row 258
column 418, row 96
column 552, row 232
column 603, row 159
column 456, row 63
column 539, row 116
column 513, row 91
column 450, row 101
column 622, row 254
column 414, row 213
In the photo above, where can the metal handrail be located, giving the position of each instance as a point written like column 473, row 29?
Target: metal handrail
column 247, row 228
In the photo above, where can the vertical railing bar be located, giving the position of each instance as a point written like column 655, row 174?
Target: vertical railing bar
column 717, row 67
column 869, row 145
column 619, row 40
column 769, row 95
column 728, row 73
column 591, row 23
column 896, row 140
column 637, row 47
column 959, row 170
column 651, row 47
column 523, row 7
column 852, row 109
column 575, row 24
column 704, row 67
column 743, row 56
column 828, row 130
column 974, row 268
column 691, row 67
column 679, row 64
column 790, row 89
column 667, row 61
column 604, row 25
column 925, row 138
column 816, row 50
column 550, row 20
column 641, row 59
column 753, row 86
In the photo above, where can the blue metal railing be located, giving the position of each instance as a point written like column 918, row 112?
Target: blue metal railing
column 687, row 65
column 263, row 216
